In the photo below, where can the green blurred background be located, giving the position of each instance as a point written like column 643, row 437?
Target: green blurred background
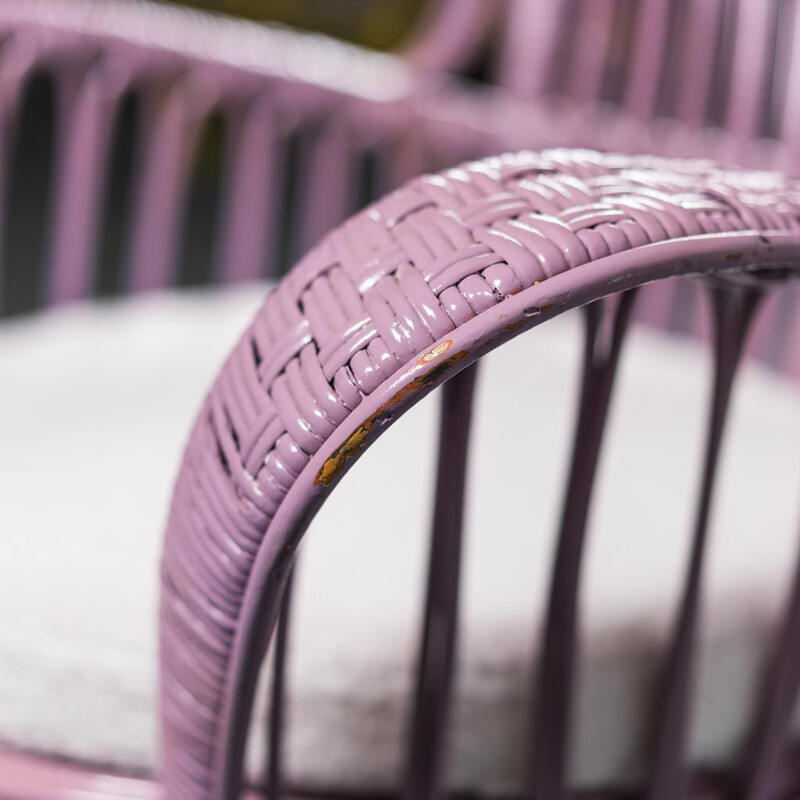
column 379, row 24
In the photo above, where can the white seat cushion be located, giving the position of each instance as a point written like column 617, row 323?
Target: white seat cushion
column 94, row 407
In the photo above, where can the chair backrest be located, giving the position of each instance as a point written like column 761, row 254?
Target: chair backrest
column 144, row 145
column 173, row 146
column 731, row 64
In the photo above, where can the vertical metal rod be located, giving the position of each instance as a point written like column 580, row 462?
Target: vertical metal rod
column 327, row 180
column 252, row 167
column 780, row 701
column 649, row 50
column 555, row 679
column 87, row 124
column 434, row 680
column 733, row 310
column 590, row 55
column 172, row 136
column 277, row 704
column 697, row 65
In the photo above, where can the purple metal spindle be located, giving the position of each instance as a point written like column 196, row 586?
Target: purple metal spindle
column 253, row 162
column 698, row 66
column 779, row 703
column 604, row 336
column 277, row 712
column 531, row 32
column 171, row 141
column 734, row 311
column 647, row 68
column 83, row 158
column 590, row 52
column 751, row 67
column 434, row 683
column 328, row 179
column 789, row 125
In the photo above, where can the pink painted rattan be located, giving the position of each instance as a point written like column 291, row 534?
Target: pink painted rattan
column 404, row 296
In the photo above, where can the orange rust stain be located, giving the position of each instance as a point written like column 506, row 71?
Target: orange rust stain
column 513, row 326
column 437, row 351
column 342, row 454
column 418, row 384
column 357, row 440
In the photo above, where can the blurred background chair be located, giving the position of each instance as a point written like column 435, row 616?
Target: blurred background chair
column 151, row 147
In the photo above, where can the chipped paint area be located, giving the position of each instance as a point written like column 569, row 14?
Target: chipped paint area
column 342, row 454
column 513, row 326
column 437, row 352
column 350, row 449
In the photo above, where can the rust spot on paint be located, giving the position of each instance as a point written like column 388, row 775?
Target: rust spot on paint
column 513, row 326
column 437, row 351
column 734, row 257
column 418, row 384
column 357, row 440
column 287, row 550
column 342, row 454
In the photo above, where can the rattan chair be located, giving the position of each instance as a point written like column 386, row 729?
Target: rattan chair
column 409, row 294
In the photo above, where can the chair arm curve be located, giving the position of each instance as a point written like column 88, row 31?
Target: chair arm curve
column 396, row 301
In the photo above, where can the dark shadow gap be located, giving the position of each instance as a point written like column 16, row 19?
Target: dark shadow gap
column 117, row 198
column 202, row 209
column 28, row 199
column 286, row 245
column 723, row 63
column 675, row 55
column 368, row 181
column 620, row 52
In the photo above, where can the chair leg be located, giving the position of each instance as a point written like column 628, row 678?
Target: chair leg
column 733, row 315
column 277, row 712
column 780, row 702
column 604, row 336
column 434, row 679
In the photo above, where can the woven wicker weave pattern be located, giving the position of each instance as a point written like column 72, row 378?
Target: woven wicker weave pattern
column 384, row 290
